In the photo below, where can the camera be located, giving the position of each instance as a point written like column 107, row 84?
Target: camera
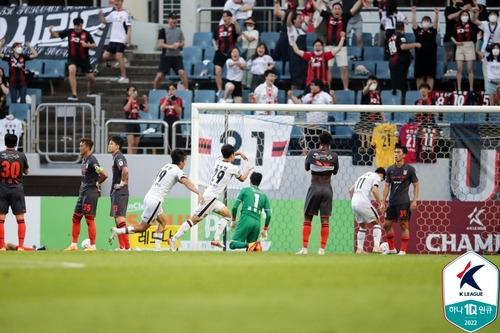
column 173, row 98
column 135, row 92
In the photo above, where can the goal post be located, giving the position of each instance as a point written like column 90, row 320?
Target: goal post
column 459, row 201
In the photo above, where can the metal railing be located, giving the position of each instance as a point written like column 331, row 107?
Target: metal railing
column 156, row 140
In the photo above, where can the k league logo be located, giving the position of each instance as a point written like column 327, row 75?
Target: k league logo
column 470, row 292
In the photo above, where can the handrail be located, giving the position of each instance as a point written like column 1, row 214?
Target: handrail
column 164, row 134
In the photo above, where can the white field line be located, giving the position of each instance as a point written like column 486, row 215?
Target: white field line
column 36, row 264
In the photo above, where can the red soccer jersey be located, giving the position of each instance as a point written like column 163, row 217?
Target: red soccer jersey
column 408, row 137
column 441, row 97
column 460, row 98
column 317, row 66
column 428, row 141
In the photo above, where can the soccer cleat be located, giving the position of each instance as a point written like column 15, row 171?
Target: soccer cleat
column 217, row 243
column 71, row 248
column 303, row 251
column 73, row 98
column 90, row 248
column 3, row 249
column 42, row 248
column 172, row 244
column 112, row 236
column 19, row 248
column 402, row 253
column 358, row 251
column 389, row 251
column 122, row 79
column 377, row 250
column 321, row 252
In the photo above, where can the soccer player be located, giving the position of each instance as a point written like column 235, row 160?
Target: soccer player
column 323, row 163
column 119, row 38
column 13, row 164
column 224, row 170
column 79, row 43
column 119, row 188
column 399, row 177
column 253, row 201
column 363, row 210
column 92, row 177
column 168, row 176
column 14, row 247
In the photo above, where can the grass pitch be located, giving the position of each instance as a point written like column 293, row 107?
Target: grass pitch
column 107, row 291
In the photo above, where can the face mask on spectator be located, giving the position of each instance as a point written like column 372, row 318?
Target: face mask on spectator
column 495, row 52
column 250, row 27
column 426, row 24
column 373, row 86
column 19, row 50
column 464, row 18
column 493, row 18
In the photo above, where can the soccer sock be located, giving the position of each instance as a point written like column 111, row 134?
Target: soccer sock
column 325, row 231
column 182, row 230
column 158, row 239
column 404, row 242
column 306, row 232
column 361, row 238
column 377, row 235
column 221, row 225
column 126, row 242
column 121, row 239
column 2, row 234
column 21, row 232
column 91, row 229
column 75, row 229
column 390, row 241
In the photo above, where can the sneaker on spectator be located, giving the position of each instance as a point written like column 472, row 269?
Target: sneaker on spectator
column 73, row 98
column 92, row 94
column 122, row 79
column 222, row 100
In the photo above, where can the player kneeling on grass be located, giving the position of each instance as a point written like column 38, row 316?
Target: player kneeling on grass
column 168, row 176
column 253, row 201
column 363, row 209
column 14, row 247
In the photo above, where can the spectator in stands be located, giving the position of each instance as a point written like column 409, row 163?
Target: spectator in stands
column 318, row 60
column 171, row 42
column 171, row 107
column 355, row 23
column 425, row 99
column 381, row 7
column 481, row 9
column 266, row 93
column 337, row 25
column 119, row 38
column 389, row 19
column 490, row 35
column 426, row 56
column 249, row 41
column 79, row 43
column 280, row 53
column 259, row 63
column 464, row 36
column 370, row 96
column 242, row 12
column 317, row 119
column 451, row 14
column 400, row 58
column 296, row 28
column 4, row 92
column 17, row 69
column 223, row 41
column 236, row 66
column 131, row 107
column 493, row 70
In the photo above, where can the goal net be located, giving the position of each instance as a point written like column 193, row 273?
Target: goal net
column 455, row 151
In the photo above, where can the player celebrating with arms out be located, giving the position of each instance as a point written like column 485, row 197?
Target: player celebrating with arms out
column 224, row 170
column 399, row 177
column 363, row 209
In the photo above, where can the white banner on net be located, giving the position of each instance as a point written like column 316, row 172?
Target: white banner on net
column 264, row 139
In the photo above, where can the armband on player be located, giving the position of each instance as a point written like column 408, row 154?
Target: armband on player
column 122, row 183
column 99, row 169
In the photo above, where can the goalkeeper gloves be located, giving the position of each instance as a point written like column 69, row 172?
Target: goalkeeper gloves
column 233, row 225
column 263, row 234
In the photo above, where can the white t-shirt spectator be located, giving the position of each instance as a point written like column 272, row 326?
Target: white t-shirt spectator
column 234, row 73
column 319, row 98
column 120, row 20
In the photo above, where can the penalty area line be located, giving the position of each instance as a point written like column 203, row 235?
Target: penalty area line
column 35, row 264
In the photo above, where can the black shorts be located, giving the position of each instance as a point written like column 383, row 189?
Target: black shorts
column 119, row 202
column 87, row 202
column 220, row 59
column 133, row 129
column 319, row 198
column 166, row 63
column 238, row 88
column 114, row 48
column 13, row 197
column 398, row 213
column 84, row 65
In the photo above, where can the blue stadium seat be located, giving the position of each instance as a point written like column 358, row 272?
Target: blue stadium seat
column 311, row 38
column 202, row 71
column 370, row 66
column 52, row 69
column 20, row 110
column 410, row 38
column 389, row 99
column 187, row 100
column 439, row 40
column 188, row 69
column 270, row 38
column 474, row 118
column 37, row 93
column 202, row 39
column 35, row 65
column 354, row 51
column 367, row 39
column 155, row 96
column 192, row 53
column 373, row 53
column 345, row 96
column 412, row 96
column 5, row 67
column 383, row 72
column 204, row 96
column 281, row 96
column 455, row 117
column 208, row 53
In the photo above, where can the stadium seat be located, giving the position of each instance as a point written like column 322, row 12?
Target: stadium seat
column 172, row 76
column 5, row 67
column 474, row 118
column 20, row 110
column 208, row 53
column 410, row 38
column 477, row 69
column 281, row 96
column 187, row 100
column 155, row 96
column 52, row 69
column 383, row 73
column 202, row 71
column 204, row 96
column 354, row 51
column 35, row 65
column 192, row 53
column 412, row 96
column 345, row 96
column 202, row 39
column 370, row 66
column 373, row 53
column 389, row 99
column 454, row 117
column 367, row 40
column 270, row 38
column 37, row 93
column 401, row 117
column 311, row 37
column 439, row 69
column 439, row 40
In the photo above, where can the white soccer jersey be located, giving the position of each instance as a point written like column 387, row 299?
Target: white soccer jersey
column 120, row 20
column 266, row 95
column 222, row 174
column 11, row 126
column 234, row 73
column 363, row 188
column 168, row 176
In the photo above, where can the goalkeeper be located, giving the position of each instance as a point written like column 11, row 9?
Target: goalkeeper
column 253, row 201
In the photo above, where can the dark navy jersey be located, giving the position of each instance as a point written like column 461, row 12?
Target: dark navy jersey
column 400, row 179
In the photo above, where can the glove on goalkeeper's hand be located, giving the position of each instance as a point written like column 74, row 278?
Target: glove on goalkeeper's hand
column 232, row 226
column 263, row 235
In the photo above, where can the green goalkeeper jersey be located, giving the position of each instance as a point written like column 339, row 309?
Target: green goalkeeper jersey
column 252, row 201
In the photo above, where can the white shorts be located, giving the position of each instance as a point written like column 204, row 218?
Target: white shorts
column 211, row 204
column 465, row 52
column 152, row 208
column 355, row 23
column 340, row 57
column 364, row 213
